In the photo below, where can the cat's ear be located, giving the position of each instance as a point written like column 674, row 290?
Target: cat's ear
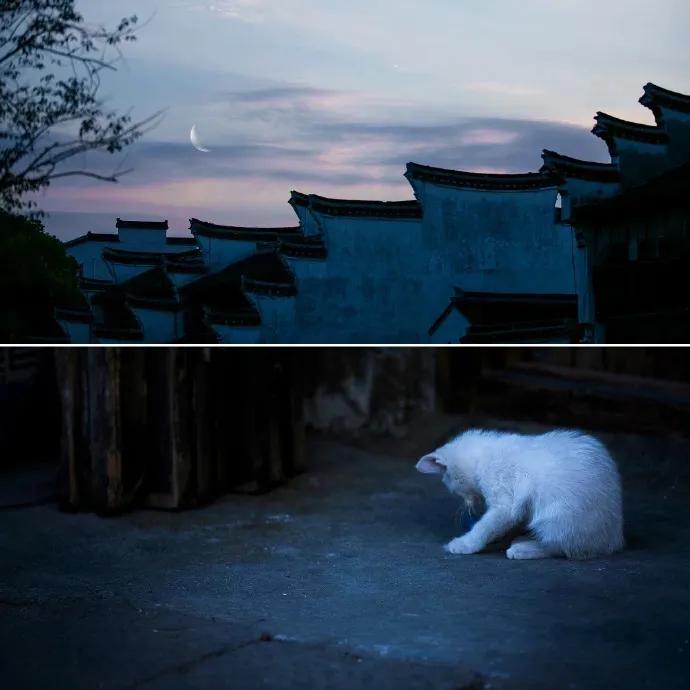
column 431, row 464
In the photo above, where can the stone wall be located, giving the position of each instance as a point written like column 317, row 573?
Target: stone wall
column 377, row 390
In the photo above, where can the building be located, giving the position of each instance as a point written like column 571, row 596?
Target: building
column 472, row 257
column 636, row 233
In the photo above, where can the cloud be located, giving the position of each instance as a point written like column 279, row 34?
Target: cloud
column 335, row 143
column 250, row 11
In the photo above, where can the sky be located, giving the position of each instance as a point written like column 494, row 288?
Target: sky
column 333, row 98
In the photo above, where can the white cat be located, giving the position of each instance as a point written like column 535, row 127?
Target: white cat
column 563, row 487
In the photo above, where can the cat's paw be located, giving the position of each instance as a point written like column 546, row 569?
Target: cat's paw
column 461, row 545
column 521, row 550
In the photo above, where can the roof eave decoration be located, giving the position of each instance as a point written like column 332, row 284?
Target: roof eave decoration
column 407, row 209
column 609, row 128
column 268, row 288
column 233, row 232
column 135, row 258
column 298, row 199
column 462, row 296
column 481, row 181
column 565, row 166
column 655, row 98
column 303, row 249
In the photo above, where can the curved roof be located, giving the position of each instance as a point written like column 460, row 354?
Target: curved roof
column 362, row 208
column 117, row 321
column 152, row 289
column 655, row 96
column 583, row 170
column 222, row 294
column 143, row 258
column 93, row 237
column 608, row 127
column 233, row 232
column 304, row 248
column 483, row 181
column 298, row 199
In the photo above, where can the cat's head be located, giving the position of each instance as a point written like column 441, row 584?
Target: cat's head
column 453, row 474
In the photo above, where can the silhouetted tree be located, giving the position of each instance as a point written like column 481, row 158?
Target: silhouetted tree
column 51, row 63
column 36, row 275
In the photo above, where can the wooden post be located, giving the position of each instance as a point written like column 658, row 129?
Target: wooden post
column 176, row 427
column 88, row 381
column 170, row 410
column 103, row 386
column 66, row 368
column 203, row 426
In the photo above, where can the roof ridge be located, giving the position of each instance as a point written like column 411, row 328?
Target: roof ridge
column 480, row 180
column 241, row 228
column 575, row 161
column 625, row 123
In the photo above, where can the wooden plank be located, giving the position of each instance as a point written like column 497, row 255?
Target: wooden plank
column 202, row 419
column 291, row 413
column 105, row 430
column 66, row 362
column 136, row 439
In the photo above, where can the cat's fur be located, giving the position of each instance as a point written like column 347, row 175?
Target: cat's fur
column 563, row 487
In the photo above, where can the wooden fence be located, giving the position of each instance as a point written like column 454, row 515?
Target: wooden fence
column 176, row 427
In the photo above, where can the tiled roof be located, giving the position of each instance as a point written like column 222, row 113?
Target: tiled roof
column 116, row 321
column 185, row 264
column 144, row 258
column 364, row 208
column 483, row 181
column 265, row 273
column 220, row 298
column 607, row 127
column 654, row 97
column 232, row 232
column 152, row 289
column 92, row 237
column 508, row 310
column 141, row 224
column 559, row 164
column 304, row 248
column 669, row 190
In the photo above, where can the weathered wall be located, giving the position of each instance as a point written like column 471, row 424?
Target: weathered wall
column 387, row 280
column 369, row 289
column 377, row 390
column 503, row 241
column 89, row 256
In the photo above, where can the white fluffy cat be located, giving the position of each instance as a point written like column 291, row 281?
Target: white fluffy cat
column 562, row 487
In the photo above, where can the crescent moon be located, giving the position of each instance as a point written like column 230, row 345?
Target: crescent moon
column 194, row 138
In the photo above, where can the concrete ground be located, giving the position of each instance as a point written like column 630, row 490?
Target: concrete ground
column 339, row 580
